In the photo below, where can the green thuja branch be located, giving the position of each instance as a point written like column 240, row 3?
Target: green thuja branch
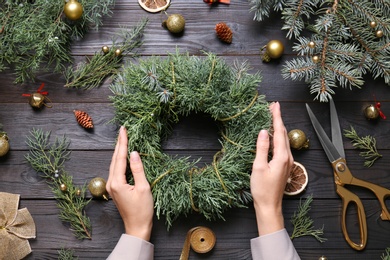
column 303, row 224
column 386, row 255
column 90, row 74
column 48, row 159
column 366, row 143
column 66, row 254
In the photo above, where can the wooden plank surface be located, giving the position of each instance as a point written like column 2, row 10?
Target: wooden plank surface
column 196, row 136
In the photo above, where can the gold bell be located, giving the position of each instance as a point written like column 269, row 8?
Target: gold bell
column 36, row 100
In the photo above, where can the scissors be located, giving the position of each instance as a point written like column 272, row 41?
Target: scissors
column 342, row 176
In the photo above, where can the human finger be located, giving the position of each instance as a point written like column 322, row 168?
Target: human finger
column 112, row 164
column 120, row 159
column 137, row 168
column 280, row 134
column 262, row 149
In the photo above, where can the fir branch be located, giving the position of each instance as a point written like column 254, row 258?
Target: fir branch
column 386, row 255
column 303, row 224
column 366, row 143
column 66, row 254
column 49, row 158
column 90, row 74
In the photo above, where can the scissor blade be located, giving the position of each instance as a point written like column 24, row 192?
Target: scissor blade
column 329, row 148
column 337, row 139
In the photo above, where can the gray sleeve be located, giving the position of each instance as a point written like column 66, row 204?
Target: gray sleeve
column 274, row 246
column 132, row 248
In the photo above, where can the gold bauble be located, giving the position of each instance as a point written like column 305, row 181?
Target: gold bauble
column 322, row 258
column 78, row 192
column 105, row 49
column 4, row 144
column 118, row 52
column 312, row 44
column 274, row 49
column 175, row 23
column 63, row 187
column 298, row 139
column 379, row 34
column 36, row 100
column 373, row 24
column 97, row 187
column 73, row 10
column 315, row 58
column 371, row 112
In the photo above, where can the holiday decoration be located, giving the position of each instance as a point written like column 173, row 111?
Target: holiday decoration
column 73, row 10
column 43, row 36
column 298, row 139
column 155, row 5
column 90, row 74
column 149, row 98
column 83, row 119
column 217, row 1
column 303, row 223
column 371, row 112
column 175, row 23
column 37, row 99
column 297, row 181
column 224, row 32
column 366, row 143
column 4, row 143
column 97, row 187
column 66, row 254
column 16, row 226
column 200, row 239
column 48, row 159
column 352, row 38
column 273, row 50
column 322, row 258
column 387, row 256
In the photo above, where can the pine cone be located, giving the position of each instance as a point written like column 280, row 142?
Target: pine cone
column 224, row 32
column 83, row 119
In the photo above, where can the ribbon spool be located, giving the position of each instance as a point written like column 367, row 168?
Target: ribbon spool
column 200, row 239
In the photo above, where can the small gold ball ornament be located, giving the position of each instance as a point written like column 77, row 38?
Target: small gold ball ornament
column 118, row 52
column 298, row 139
column 105, row 49
column 312, row 44
column 4, row 144
column 78, row 192
column 371, row 112
column 175, row 23
column 97, row 187
column 379, row 34
column 315, row 59
column 63, row 187
column 73, row 10
column 273, row 50
column 373, row 24
column 322, row 258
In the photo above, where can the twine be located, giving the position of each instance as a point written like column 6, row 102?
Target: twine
column 200, row 239
column 16, row 226
column 219, row 175
column 241, row 112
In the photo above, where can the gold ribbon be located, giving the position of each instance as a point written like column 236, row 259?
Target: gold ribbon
column 16, row 226
column 200, row 239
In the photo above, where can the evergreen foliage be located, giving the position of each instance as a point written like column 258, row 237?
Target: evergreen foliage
column 346, row 44
column 48, row 159
column 36, row 35
column 386, row 255
column 150, row 96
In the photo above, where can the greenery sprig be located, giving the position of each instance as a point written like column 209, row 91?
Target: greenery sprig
column 344, row 40
column 48, row 159
column 303, row 223
column 36, row 35
column 91, row 73
column 366, row 143
column 386, row 255
column 150, row 96
column 66, row 254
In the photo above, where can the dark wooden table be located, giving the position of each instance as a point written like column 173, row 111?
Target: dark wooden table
column 194, row 136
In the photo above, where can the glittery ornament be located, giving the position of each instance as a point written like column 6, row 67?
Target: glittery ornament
column 97, row 187
column 4, row 144
column 298, row 139
column 175, row 23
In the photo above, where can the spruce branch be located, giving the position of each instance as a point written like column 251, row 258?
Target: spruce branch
column 303, row 224
column 66, row 254
column 91, row 73
column 386, row 255
column 48, row 159
column 366, row 143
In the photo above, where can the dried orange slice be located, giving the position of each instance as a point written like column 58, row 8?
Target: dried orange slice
column 297, row 181
column 154, row 6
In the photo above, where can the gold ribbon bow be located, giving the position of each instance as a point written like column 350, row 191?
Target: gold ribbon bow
column 16, row 226
column 200, row 239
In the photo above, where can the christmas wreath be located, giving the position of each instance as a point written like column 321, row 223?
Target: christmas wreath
column 150, row 96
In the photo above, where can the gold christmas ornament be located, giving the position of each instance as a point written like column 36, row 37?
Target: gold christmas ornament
column 312, row 44
column 315, row 58
column 105, row 49
column 36, row 100
column 175, row 23
column 97, row 187
column 273, row 50
column 118, row 52
column 371, row 112
column 73, row 10
column 63, row 187
column 78, row 192
column 4, row 144
column 322, row 258
column 379, row 34
column 298, row 139
column 373, row 24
